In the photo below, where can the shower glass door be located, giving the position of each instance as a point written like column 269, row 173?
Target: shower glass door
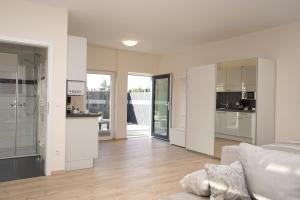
column 18, row 124
column 26, row 106
column 8, row 115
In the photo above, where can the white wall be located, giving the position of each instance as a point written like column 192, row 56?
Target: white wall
column 121, row 62
column 26, row 20
column 101, row 58
column 281, row 44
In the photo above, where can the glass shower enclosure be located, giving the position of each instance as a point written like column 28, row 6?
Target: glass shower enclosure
column 18, row 105
column 22, row 111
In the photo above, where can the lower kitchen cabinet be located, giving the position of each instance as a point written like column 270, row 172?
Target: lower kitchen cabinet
column 239, row 125
column 81, row 141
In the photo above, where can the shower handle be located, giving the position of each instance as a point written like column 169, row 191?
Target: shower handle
column 20, row 105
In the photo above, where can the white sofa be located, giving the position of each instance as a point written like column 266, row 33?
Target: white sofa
column 231, row 154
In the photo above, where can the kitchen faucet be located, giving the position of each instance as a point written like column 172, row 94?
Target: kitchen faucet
column 225, row 104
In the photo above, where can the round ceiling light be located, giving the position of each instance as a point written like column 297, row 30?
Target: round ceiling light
column 130, row 43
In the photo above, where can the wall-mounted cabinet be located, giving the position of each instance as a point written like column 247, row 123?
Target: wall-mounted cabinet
column 235, row 76
column 77, row 58
column 233, row 79
column 248, row 78
column 221, row 80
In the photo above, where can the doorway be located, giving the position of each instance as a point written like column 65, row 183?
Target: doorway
column 148, row 106
column 161, row 106
column 139, row 99
column 23, row 111
column 99, row 98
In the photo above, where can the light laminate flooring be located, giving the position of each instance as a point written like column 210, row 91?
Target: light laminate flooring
column 220, row 143
column 136, row 169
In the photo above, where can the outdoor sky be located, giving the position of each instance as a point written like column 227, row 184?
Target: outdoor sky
column 94, row 81
column 139, row 82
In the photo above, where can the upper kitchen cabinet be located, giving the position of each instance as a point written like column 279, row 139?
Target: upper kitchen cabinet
column 249, row 78
column 233, row 79
column 221, row 79
column 77, row 58
column 236, row 76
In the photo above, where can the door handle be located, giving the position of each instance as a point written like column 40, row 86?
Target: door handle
column 19, row 105
column 22, row 105
column 13, row 105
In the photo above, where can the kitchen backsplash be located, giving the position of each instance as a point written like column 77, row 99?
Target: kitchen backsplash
column 232, row 98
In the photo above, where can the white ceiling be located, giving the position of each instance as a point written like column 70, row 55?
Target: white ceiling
column 163, row 26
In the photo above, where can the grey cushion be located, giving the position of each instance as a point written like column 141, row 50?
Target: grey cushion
column 185, row 196
column 271, row 174
column 196, row 183
column 227, row 182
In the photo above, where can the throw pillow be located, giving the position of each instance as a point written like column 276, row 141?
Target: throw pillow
column 196, row 183
column 227, row 182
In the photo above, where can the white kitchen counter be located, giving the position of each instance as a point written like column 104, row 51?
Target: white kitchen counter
column 81, row 142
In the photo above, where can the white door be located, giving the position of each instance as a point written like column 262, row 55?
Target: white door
column 201, row 103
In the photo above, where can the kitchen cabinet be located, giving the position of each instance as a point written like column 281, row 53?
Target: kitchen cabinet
column 236, row 78
column 77, row 58
column 233, row 79
column 231, row 123
column 81, row 142
column 219, row 119
column 221, row 80
column 204, row 123
column 236, row 124
column 246, row 125
column 249, row 78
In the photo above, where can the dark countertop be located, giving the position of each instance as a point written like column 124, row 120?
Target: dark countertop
column 236, row 110
column 82, row 115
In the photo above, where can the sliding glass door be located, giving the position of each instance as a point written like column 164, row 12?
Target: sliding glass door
column 161, row 106
column 99, row 100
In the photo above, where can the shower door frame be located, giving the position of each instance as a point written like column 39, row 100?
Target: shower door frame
column 49, row 78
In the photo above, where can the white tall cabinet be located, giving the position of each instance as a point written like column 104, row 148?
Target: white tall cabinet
column 202, row 85
column 201, row 104
column 77, row 58
column 265, row 103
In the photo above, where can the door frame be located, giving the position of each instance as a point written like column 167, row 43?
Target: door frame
column 112, row 101
column 49, row 97
column 161, row 76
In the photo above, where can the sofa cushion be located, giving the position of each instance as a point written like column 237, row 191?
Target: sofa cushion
column 185, row 196
column 270, row 174
column 229, row 155
column 196, row 183
column 227, row 182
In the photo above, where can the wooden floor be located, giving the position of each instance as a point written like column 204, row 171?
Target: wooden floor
column 220, row 143
column 137, row 168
